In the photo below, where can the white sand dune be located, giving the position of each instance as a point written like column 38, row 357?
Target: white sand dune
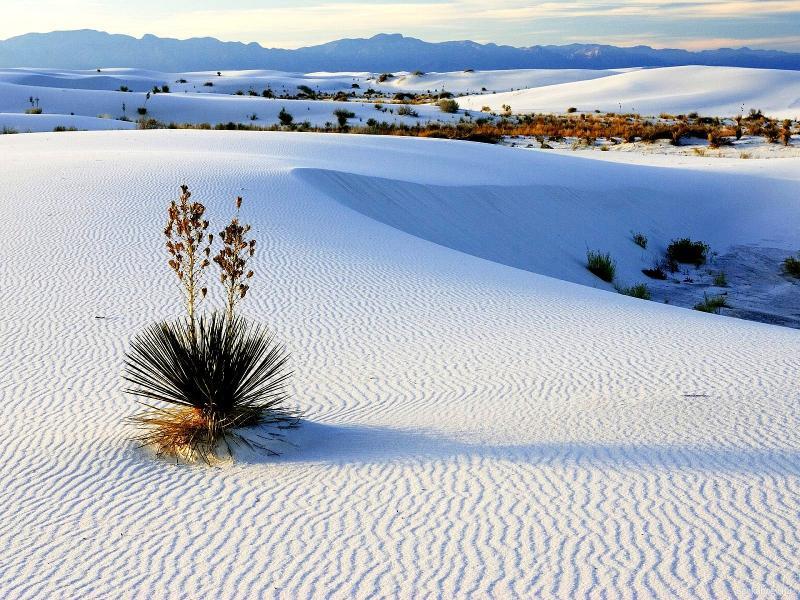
column 715, row 91
column 472, row 82
column 24, row 123
column 193, row 107
column 141, row 80
column 473, row 429
column 64, row 95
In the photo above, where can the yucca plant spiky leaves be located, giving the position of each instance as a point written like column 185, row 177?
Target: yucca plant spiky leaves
column 230, row 374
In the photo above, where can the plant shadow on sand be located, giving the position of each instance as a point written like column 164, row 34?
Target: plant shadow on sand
column 324, row 443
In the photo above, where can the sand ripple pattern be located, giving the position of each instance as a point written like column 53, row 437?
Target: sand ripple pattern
column 473, row 430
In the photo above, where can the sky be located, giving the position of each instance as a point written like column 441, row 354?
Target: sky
column 691, row 24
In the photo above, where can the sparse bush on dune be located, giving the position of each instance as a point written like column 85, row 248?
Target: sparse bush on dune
column 33, row 111
column 285, row 118
column 791, row 266
column 207, row 376
column 657, row 271
column 406, row 111
column 640, row 240
column 716, row 138
column 687, row 251
column 639, row 290
column 601, row 264
column 712, row 304
column 446, row 105
column 342, row 115
column 150, row 124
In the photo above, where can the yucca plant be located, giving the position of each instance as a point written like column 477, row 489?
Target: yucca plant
column 230, row 375
column 205, row 377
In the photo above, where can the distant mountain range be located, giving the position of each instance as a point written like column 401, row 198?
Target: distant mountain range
column 88, row 49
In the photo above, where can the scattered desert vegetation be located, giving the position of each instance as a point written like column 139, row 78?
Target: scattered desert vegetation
column 712, row 304
column 601, row 264
column 686, row 251
column 640, row 240
column 212, row 374
column 447, row 105
column 342, row 116
column 791, row 266
column 639, row 290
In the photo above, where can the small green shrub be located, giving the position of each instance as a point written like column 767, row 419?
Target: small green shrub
column 306, row 92
column 342, row 115
column 640, row 240
column 687, row 251
column 447, row 105
column 712, row 304
column 720, row 279
column 791, row 266
column 639, row 290
column 33, row 111
column 406, row 111
column 285, row 118
column 62, row 128
column 601, row 265
column 572, row 109
column 141, row 110
column 384, row 77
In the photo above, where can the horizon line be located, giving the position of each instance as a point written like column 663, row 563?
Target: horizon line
column 383, row 33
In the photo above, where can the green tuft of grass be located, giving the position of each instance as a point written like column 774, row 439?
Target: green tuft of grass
column 720, row 279
column 601, row 264
column 638, row 290
column 712, row 304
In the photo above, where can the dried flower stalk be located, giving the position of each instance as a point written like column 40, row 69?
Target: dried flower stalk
column 189, row 249
column 232, row 260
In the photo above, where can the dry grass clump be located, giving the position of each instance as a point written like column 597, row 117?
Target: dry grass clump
column 205, row 377
column 447, row 105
